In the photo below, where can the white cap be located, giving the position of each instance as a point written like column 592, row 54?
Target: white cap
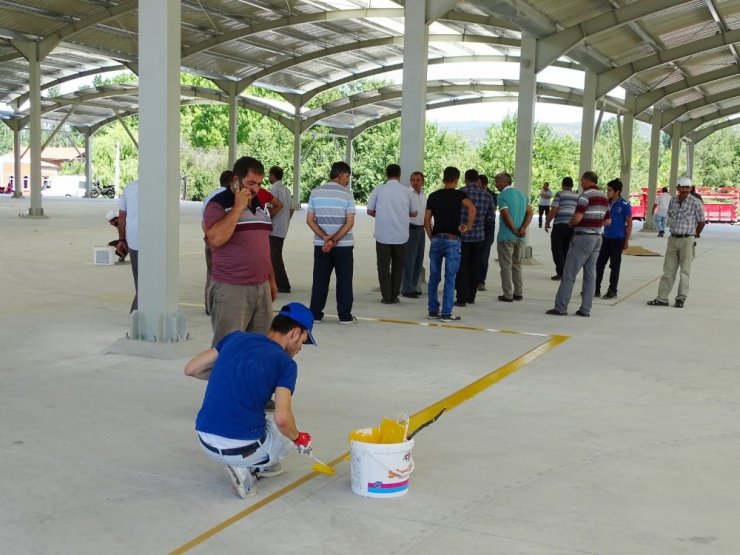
column 110, row 215
column 684, row 181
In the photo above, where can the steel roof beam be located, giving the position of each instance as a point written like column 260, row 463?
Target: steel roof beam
column 688, row 126
column 701, row 134
column 669, row 116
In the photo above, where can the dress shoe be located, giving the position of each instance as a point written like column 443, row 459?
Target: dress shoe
column 411, row 295
column 505, row 299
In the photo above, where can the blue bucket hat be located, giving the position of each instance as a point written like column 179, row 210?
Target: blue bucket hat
column 302, row 315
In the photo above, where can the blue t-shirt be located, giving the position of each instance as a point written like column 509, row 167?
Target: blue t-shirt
column 513, row 200
column 619, row 210
column 248, row 369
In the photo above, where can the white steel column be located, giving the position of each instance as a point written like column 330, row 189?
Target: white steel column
column 627, row 133
column 158, row 319
column 34, row 127
column 690, row 158
column 653, row 171
column 587, row 122
column 17, row 177
column 88, row 162
column 525, row 115
column 297, row 162
column 675, row 154
column 413, row 101
column 233, row 125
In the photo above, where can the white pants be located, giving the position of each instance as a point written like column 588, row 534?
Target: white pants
column 275, row 447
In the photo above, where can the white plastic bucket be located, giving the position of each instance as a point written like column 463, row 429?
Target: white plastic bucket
column 381, row 469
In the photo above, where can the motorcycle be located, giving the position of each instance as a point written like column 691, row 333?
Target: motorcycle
column 107, row 191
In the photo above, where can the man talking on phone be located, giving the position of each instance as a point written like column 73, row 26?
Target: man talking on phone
column 237, row 225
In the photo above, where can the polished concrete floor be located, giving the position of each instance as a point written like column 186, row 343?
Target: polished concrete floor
column 622, row 438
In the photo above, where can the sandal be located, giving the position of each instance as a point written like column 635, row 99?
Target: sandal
column 657, row 302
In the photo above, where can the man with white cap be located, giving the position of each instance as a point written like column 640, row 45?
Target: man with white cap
column 244, row 370
column 686, row 216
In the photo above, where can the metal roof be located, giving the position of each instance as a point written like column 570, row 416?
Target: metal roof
column 672, row 54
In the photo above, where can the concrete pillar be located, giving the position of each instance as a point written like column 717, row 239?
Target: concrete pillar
column 649, row 224
column 158, row 319
column 297, row 163
column 690, row 158
column 525, row 121
column 88, row 163
column 348, row 156
column 34, row 127
column 413, row 100
column 675, row 154
column 627, row 134
column 17, row 177
column 587, row 122
column 233, row 125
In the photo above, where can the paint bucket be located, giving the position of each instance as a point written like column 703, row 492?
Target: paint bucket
column 380, row 469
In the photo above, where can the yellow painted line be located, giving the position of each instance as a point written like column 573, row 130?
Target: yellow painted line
column 415, row 421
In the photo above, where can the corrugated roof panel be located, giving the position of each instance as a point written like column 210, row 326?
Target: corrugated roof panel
column 621, row 45
column 571, row 12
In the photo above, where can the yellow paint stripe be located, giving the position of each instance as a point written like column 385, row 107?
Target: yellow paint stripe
column 416, row 420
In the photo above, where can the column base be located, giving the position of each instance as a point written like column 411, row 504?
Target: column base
column 150, row 349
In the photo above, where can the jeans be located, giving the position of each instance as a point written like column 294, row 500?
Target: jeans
column 466, row 283
column 340, row 260
column 611, row 251
column 414, row 259
column 390, row 269
column 583, row 252
column 678, row 253
column 449, row 250
column 660, row 223
column 487, row 244
column 510, row 254
column 560, row 237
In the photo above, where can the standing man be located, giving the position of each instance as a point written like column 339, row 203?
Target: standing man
column 489, row 234
column 444, row 206
column 331, row 216
column 237, row 225
column 243, row 371
column 591, row 215
column 660, row 208
column 128, row 233
column 280, row 224
column 686, row 214
column 616, row 238
column 563, row 207
column 391, row 204
column 516, row 215
column 544, row 201
column 471, row 256
column 414, row 259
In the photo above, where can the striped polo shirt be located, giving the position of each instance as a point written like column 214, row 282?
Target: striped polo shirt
column 565, row 201
column 594, row 206
column 330, row 204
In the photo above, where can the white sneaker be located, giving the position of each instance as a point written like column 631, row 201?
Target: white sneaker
column 275, row 469
column 241, row 480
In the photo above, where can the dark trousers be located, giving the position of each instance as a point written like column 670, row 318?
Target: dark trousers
column 278, row 266
column 340, row 261
column 135, row 271
column 414, row 259
column 611, row 251
column 560, row 237
column 486, row 256
column 543, row 210
column 390, row 269
column 466, row 283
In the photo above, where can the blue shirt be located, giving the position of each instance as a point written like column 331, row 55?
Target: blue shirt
column 513, row 200
column 248, row 369
column 619, row 211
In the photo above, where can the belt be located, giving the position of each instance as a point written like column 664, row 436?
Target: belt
column 243, row 451
column 681, row 235
column 446, row 236
column 586, row 233
column 414, row 226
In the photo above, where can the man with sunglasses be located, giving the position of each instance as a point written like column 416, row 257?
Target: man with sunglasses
column 237, row 225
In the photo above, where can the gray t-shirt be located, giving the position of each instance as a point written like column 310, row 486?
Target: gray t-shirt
column 392, row 203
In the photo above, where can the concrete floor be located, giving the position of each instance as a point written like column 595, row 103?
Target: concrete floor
column 622, row 439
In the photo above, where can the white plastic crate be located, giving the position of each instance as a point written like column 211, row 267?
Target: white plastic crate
column 104, row 256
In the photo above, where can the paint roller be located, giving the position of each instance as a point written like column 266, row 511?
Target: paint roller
column 321, row 467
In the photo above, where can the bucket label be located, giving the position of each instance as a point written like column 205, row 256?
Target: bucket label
column 380, row 487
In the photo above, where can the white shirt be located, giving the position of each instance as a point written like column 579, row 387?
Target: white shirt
column 663, row 201
column 392, row 203
column 419, row 203
column 129, row 203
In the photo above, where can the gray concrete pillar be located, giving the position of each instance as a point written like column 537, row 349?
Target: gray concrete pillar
column 233, row 125
column 627, row 134
column 34, row 125
column 690, row 158
column 413, row 100
column 649, row 224
column 88, row 163
column 587, row 122
column 17, row 176
column 525, row 122
column 297, row 163
column 675, row 153
column 158, row 319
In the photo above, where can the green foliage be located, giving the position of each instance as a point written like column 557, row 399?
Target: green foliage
column 6, row 140
column 716, row 159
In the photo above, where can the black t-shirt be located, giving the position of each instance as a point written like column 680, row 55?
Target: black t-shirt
column 445, row 205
